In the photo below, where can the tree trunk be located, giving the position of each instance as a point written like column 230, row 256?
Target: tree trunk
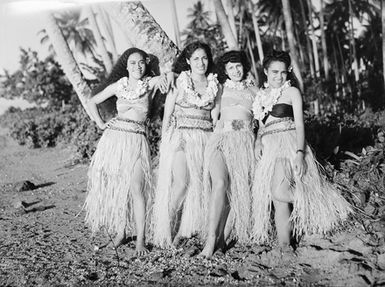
column 253, row 65
column 308, row 45
column 224, row 22
column 290, row 37
column 231, row 17
column 383, row 40
column 99, row 39
column 256, row 31
column 313, row 40
column 137, row 23
column 323, row 41
column 67, row 61
column 106, row 24
column 175, row 23
column 354, row 61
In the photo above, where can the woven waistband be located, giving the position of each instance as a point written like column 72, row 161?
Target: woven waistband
column 193, row 122
column 128, row 125
column 265, row 130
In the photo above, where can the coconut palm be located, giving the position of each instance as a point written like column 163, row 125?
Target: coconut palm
column 225, row 25
column 107, row 62
column 67, row 61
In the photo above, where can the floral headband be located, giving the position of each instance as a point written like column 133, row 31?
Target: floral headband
column 290, row 69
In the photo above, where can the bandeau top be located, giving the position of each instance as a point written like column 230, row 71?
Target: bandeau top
column 242, row 99
column 280, row 110
column 127, row 100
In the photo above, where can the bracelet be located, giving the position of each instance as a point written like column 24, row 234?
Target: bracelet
column 300, row 150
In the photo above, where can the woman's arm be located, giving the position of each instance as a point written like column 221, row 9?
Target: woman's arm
column 92, row 103
column 215, row 112
column 296, row 100
column 162, row 82
column 169, row 107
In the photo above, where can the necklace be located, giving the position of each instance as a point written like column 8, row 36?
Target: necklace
column 240, row 85
column 132, row 93
column 265, row 100
column 192, row 96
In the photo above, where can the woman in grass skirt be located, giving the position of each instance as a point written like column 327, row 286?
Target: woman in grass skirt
column 229, row 156
column 287, row 174
column 119, row 177
column 180, row 204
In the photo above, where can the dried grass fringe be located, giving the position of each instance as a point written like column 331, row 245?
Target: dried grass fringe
column 109, row 202
column 318, row 204
column 237, row 151
column 193, row 142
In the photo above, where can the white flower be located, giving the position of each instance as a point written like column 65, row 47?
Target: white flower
column 192, row 96
column 130, row 93
column 241, row 85
column 265, row 100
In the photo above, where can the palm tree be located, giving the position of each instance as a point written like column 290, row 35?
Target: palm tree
column 175, row 22
column 77, row 32
column 137, row 23
column 67, row 61
column 323, row 41
column 383, row 40
column 200, row 17
column 291, row 40
column 314, row 40
column 256, row 31
column 99, row 39
column 225, row 25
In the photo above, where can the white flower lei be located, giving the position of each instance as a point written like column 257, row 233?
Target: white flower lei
column 241, row 85
column 192, row 96
column 129, row 93
column 264, row 101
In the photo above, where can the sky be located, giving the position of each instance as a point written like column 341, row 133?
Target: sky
column 21, row 20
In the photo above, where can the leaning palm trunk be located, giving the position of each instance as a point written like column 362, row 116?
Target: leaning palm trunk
column 99, row 39
column 137, row 23
column 231, row 17
column 67, row 61
column 106, row 26
column 290, row 37
column 225, row 25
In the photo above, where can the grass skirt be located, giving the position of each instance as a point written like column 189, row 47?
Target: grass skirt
column 189, row 134
column 109, row 202
column 234, row 140
column 318, row 205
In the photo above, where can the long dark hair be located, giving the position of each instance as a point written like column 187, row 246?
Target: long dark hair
column 120, row 69
column 231, row 57
column 283, row 57
column 181, row 64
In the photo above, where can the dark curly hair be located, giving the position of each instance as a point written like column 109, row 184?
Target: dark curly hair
column 120, row 69
column 283, row 57
column 231, row 57
column 181, row 64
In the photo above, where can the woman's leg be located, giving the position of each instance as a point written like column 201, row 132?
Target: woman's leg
column 178, row 191
column 282, row 197
column 139, row 205
column 218, row 199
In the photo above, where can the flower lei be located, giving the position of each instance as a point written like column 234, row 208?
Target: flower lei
column 129, row 93
column 264, row 101
column 192, row 96
column 241, row 85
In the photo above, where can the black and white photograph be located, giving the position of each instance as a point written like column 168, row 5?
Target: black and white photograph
column 192, row 143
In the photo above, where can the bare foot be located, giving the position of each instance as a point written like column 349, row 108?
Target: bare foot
column 208, row 250
column 140, row 249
